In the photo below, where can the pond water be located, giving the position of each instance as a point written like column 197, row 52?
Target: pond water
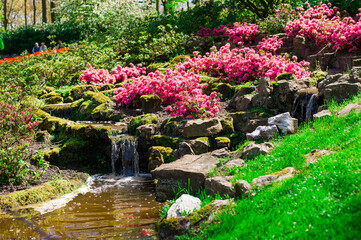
column 109, row 208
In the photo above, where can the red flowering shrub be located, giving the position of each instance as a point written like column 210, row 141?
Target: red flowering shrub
column 324, row 25
column 238, row 33
column 244, row 64
column 270, row 44
column 180, row 91
column 96, row 76
column 122, row 73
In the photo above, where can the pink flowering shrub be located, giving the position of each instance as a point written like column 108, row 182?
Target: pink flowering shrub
column 96, row 76
column 122, row 73
column 244, row 64
column 16, row 120
column 238, row 33
column 270, row 44
column 179, row 90
column 324, row 25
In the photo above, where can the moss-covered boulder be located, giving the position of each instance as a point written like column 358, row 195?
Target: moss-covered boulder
column 137, row 121
column 106, row 87
column 209, row 80
column 68, row 99
column 58, row 110
column 100, row 98
column 158, row 66
column 159, row 155
column 87, row 107
column 285, row 76
column 78, row 91
column 52, row 155
column 150, row 103
column 99, row 111
column 180, row 58
column 316, row 77
column 222, row 142
column 165, row 141
column 227, row 125
column 49, row 89
column 49, row 95
column 53, row 100
column 172, row 126
column 225, row 89
column 357, row 62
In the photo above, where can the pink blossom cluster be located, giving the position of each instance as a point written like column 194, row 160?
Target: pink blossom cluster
column 122, row 73
column 102, row 76
column 244, row 64
column 270, row 44
column 13, row 118
column 324, row 25
column 179, row 90
column 238, row 33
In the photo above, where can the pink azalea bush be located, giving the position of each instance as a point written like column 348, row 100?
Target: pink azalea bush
column 16, row 120
column 324, row 25
column 179, row 90
column 119, row 74
column 96, row 76
column 122, row 73
column 238, row 33
column 270, row 44
column 243, row 64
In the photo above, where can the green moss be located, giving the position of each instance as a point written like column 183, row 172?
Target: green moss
column 106, row 87
column 158, row 66
column 141, row 120
column 68, row 99
column 49, row 95
column 51, row 155
column 73, row 144
column 171, row 126
column 150, row 103
column 54, row 100
column 223, row 140
column 49, row 89
column 42, row 114
column 285, row 76
column 204, row 139
column 78, row 91
column 167, row 153
column 180, row 58
column 357, row 62
column 208, row 79
column 108, row 93
column 165, row 141
column 100, row 98
column 46, row 191
column 227, row 125
column 76, row 104
column 316, row 77
column 226, row 89
column 96, row 112
column 87, row 107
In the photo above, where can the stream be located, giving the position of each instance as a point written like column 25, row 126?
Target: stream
column 110, row 207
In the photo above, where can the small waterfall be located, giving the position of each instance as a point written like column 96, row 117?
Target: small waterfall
column 130, row 156
column 115, row 154
column 304, row 106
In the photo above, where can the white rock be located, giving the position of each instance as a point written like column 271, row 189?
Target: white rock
column 184, row 204
column 263, row 132
column 284, row 122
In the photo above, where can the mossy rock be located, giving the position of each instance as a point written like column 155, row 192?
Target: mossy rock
column 227, row 125
column 52, row 155
column 87, row 107
column 137, row 121
column 180, row 58
column 61, row 110
column 54, row 124
column 100, row 98
column 158, row 66
column 54, row 100
column 205, row 139
column 76, row 104
column 108, row 93
column 49, row 89
column 222, row 142
column 159, row 155
column 208, row 79
column 118, row 85
column 165, row 141
column 97, row 112
column 68, row 99
column 78, row 91
column 49, row 95
column 106, row 87
column 43, row 136
column 316, row 77
column 226, row 89
column 172, row 126
column 73, row 144
column 88, row 95
column 42, row 114
column 357, row 62
column 285, row 76
column 150, row 103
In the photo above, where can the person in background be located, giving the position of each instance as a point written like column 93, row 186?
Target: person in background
column 60, row 44
column 36, row 48
column 43, row 47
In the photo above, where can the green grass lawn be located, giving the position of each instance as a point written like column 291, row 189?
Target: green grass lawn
column 322, row 202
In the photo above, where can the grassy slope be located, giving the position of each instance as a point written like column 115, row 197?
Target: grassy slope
column 321, row 202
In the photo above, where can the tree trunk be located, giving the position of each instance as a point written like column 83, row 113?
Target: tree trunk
column 25, row 13
column 6, row 21
column 157, row 5
column 34, row 12
column 43, row 5
column 52, row 13
column 165, row 10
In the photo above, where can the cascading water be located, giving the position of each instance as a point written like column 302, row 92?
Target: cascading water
column 125, row 148
column 304, row 106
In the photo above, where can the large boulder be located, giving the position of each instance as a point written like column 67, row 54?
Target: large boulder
column 284, row 121
column 234, row 163
column 242, row 99
column 58, row 110
column 201, row 128
column 339, row 86
column 159, row 155
column 198, row 146
column 322, row 114
column 150, row 103
column 219, row 185
column 263, row 132
column 262, row 97
column 248, row 122
column 288, row 91
column 146, row 131
column 189, row 172
column 253, row 150
column 185, row 204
